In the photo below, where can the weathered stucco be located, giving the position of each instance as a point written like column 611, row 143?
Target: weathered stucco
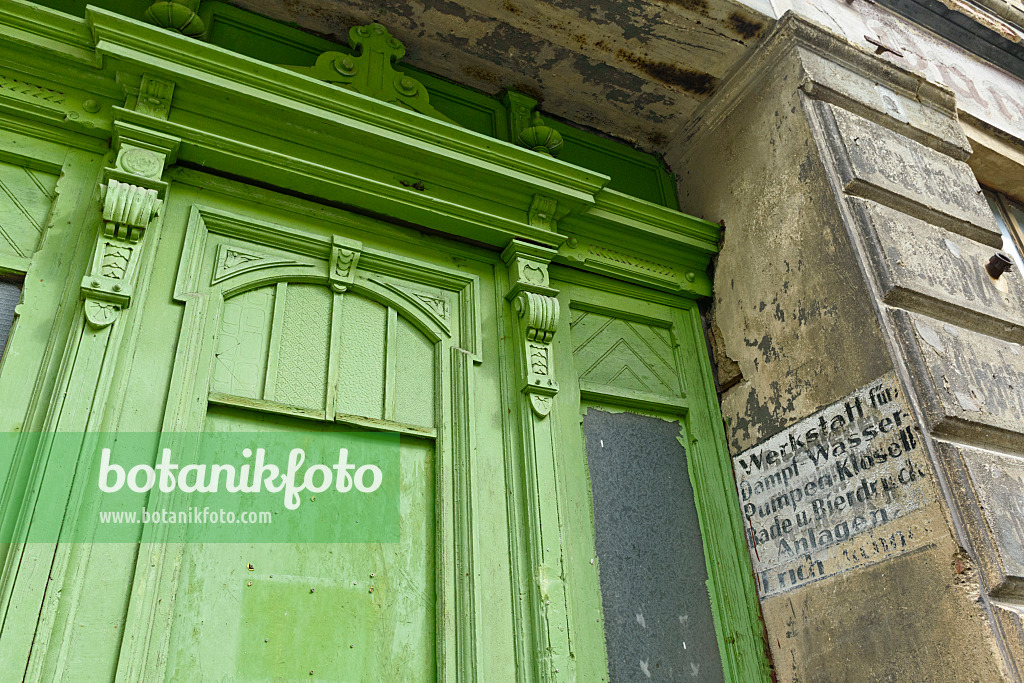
column 917, row 621
column 789, row 301
column 834, row 211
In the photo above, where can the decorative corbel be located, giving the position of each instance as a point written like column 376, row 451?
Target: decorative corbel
column 131, row 197
column 542, row 213
column 538, row 311
column 344, row 260
column 539, row 316
column 147, row 94
column 527, row 128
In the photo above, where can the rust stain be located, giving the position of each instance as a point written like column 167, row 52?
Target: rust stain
column 483, row 75
column 696, row 82
column 698, row 6
column 530, row 90
column 743, row 26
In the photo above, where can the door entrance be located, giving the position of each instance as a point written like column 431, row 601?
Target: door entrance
column 293, row 325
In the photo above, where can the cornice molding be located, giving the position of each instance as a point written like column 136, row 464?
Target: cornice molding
column 200, row 65
column 44, row 28
column 792, row 41
column 244, row 118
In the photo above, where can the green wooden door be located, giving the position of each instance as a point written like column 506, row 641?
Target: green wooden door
column 293, row 324
column 345, row 611
column 259, row 312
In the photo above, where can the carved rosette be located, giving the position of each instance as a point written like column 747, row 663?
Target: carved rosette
column 131, row 200
column 538, row 312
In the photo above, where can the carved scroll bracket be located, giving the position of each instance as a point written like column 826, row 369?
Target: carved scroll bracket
column 539, row 316
column 131, row 196
column 536, row 323
column 344, row 260
column 534, row 300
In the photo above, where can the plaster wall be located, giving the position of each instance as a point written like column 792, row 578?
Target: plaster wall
column 852, row 265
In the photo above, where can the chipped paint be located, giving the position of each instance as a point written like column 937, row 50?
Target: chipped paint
column 632, row 70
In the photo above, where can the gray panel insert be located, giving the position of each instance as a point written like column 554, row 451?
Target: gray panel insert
column 657, row 613
column 10, row 294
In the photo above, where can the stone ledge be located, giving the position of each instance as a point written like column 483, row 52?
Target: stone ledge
column 820, row 60
column 884, row 166
column 931, row 270
column 1010, row 621
column 971, row 385
column 884, row 103
column 989, row 488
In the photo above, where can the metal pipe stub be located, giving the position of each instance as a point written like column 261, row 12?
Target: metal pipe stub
column 998, row 264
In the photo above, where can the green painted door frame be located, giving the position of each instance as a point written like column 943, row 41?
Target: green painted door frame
column 174, row 183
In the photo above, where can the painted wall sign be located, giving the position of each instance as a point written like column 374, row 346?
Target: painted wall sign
column 835, row 491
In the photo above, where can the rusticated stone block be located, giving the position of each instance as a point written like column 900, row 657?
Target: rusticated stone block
column 887, row 167
column 835, row 83
column 997, row 484
column 942, row 273
column 971, row 384
column 1011, row 622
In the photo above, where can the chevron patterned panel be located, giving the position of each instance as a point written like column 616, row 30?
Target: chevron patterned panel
column 623, row 354
column 25, row 199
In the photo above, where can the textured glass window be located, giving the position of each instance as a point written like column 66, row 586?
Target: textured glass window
column 657, row 613
column 10, row 293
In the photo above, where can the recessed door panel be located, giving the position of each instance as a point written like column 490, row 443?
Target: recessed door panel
column 350, row 611
column 279, row 342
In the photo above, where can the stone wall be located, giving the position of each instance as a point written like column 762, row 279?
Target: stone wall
column 876, row 410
